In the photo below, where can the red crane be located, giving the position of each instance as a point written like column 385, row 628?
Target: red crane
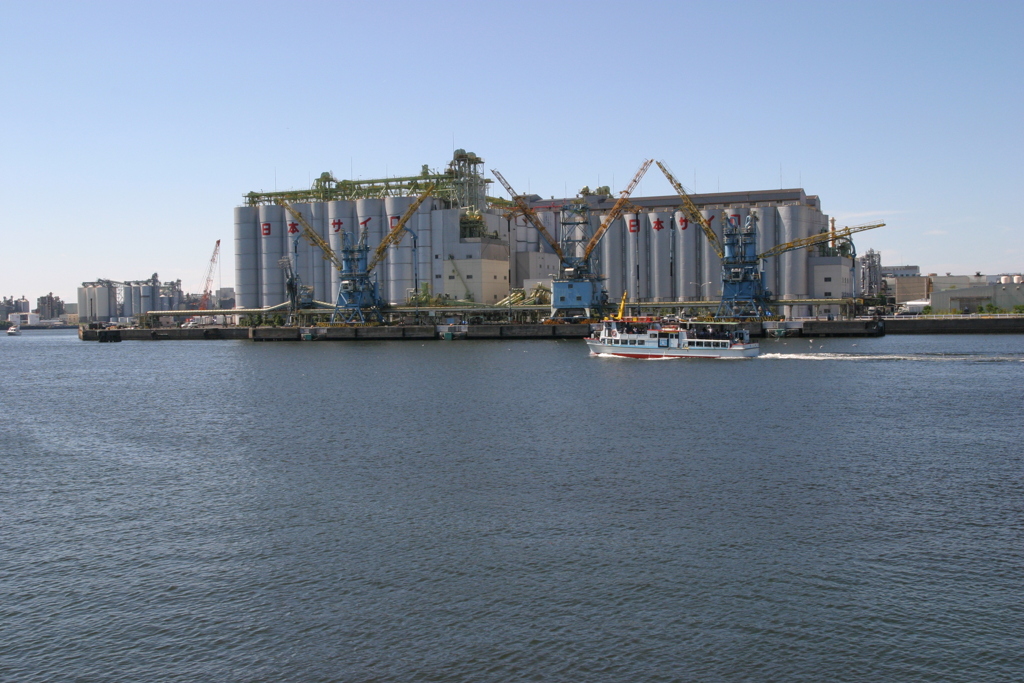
column 204, row 301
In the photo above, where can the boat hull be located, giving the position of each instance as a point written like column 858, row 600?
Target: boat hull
column 598, row 347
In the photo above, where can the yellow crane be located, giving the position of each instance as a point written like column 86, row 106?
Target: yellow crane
column 530, row 214
column 620, row 206
column 818, row 239
column 692, row 212
column 743, row 292
column 358, row 293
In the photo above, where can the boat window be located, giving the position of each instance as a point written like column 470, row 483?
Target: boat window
column 640, row 342
column 632, row 342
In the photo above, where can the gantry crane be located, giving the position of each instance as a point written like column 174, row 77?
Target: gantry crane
column 743, row 292
column 204, row 300
column 358, row 297
column 577, row 288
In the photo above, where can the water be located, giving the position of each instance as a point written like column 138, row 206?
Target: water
column 846, row 510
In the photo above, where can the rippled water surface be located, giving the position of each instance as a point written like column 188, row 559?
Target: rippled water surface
column 847, row 510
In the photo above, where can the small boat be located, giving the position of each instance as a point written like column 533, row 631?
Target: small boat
column 450, row 332
column 14, row 330
column 649, row 338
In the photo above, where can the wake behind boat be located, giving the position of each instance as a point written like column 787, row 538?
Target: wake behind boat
column 648, row 338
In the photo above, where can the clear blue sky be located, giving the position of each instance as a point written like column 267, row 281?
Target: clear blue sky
column 131, row 129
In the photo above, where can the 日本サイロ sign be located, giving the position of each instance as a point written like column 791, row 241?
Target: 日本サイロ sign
column 336, row 224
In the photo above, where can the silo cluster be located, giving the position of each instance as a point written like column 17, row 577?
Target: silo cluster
column 662, row 256
column 267, row 233
column 111, row 301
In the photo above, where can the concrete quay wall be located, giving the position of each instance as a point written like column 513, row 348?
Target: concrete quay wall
column 918, row 325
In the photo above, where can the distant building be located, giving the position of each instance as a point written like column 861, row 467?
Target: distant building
column 50, row 307
column 901, row 271
column 23, row 318
column 910, row 287
column 1006, row 294
column 832, row 277
column 869, row 273
column 225, row 298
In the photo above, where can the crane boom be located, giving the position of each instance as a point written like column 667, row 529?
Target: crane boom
column 616, row 209
column 530, row 214
column 691, row 210
column 311, row 235
column 818, row 239
column 204, row 301
column 395, row 236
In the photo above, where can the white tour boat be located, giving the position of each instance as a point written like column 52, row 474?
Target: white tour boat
column 14, row 330
column 648, row 338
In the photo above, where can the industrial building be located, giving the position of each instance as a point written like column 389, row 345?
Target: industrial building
column 118, row 301
column 460, row 246
column 1006, row 294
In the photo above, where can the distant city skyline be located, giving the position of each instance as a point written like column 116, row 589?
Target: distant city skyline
column 132, row 130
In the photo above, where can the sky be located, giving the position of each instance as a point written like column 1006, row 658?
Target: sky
column 130, row 130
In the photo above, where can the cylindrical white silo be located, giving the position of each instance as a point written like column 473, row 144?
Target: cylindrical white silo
column 766, row 239
column 710, row 282
column 147, row 299
column 370, row 219
column 685, row 257
column 1004, row 279
column 424, row 248
column 659, row 227
column 340, row 221
column 321, row 266
column 1017, row 279
column 83, row 304
column 612, row 264
column 789, row 270
column 127, row 305
column 400, row 267
column 247, row 266
column 272, row 248
column 102, row 303
column 305, row 259
column 550, row 220
column 636, row 257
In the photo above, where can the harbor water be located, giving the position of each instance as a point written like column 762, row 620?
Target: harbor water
column 843, row 510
